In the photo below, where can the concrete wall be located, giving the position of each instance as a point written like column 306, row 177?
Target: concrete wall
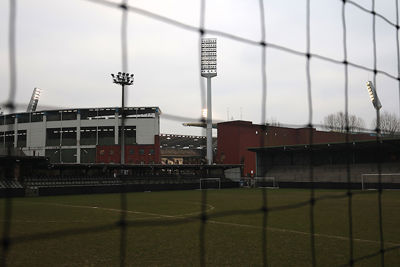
column 146, row 129
column 36, row 138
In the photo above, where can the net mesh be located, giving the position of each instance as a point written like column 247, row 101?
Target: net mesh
column 123, row 225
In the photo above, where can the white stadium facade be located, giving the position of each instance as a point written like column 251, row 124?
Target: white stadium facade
column 85, row 135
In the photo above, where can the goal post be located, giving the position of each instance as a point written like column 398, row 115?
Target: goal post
column 370, row 181
column 266, row 182
column 210, row 183
column 247, row 182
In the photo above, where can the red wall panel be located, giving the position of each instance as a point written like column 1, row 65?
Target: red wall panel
column 134, row 154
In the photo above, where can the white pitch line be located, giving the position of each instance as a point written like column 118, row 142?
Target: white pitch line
column 46, row 221
column 274, row 229
column 136, row 212
column 210, row 208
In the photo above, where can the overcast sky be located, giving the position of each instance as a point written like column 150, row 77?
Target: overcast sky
column 69, row 48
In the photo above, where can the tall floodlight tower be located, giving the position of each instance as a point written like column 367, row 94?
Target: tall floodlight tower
column 375, row 101
column 123, row 79
column 209, row 70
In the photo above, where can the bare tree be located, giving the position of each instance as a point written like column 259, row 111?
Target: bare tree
column 389, row 123
column 273, row 122
column 337, row 122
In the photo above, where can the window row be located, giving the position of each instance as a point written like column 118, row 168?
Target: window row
column 88, row 155
column 7, row 138
column 68, row 136
column 86, row 114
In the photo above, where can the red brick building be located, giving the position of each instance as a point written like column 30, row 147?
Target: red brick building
column 236, row 137
column 134, row 154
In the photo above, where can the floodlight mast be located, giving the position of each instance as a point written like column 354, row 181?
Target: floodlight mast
column 123, row 79
column 209, row 70
column 377, row 104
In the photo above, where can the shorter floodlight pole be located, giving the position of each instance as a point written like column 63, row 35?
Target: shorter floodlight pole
column 209, row 70
column 378, row 122
column 123, row 79
column 377, row 104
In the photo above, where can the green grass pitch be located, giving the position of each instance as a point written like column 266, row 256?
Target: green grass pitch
column 56, row 231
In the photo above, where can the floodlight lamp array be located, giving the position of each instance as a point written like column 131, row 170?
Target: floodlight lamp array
column 373, row 95
column 123, row 78
column 36, row 93
column 209, row 57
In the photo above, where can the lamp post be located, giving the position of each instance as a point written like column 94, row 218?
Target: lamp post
column 377, row 104
column 209, row 70
column 123, row 79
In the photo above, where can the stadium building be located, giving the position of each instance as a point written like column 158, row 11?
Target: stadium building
column 184, row 149
column 333, row 164
column 88, row 135
column 236, row 137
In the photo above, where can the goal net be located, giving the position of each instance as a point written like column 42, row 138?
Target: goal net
column 265, row 182
column 370, row 181
column 210, row 183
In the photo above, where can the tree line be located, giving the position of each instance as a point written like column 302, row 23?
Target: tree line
column 389, row 123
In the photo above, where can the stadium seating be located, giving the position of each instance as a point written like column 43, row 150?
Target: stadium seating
column 10, row 184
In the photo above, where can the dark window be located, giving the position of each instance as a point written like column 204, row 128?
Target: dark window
column 36, row 117
column 88, row 114
column 68, row 155
column 23, row 118
column 111, row 152
column 1, row 139
column 130, row 135
column 88, row 155
column 53, row 136
column 151, row 151
column 69, row 115
column 107, row 112
column 53, row 155
column 131, row 151
column 9, row 138
column 84, row 114
column 10, row 119
column 2, row 120
column 21, row 141
column 141, row 151
column 68, row 136
column 88, row 135
column 106, row 135
column 53, row 115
